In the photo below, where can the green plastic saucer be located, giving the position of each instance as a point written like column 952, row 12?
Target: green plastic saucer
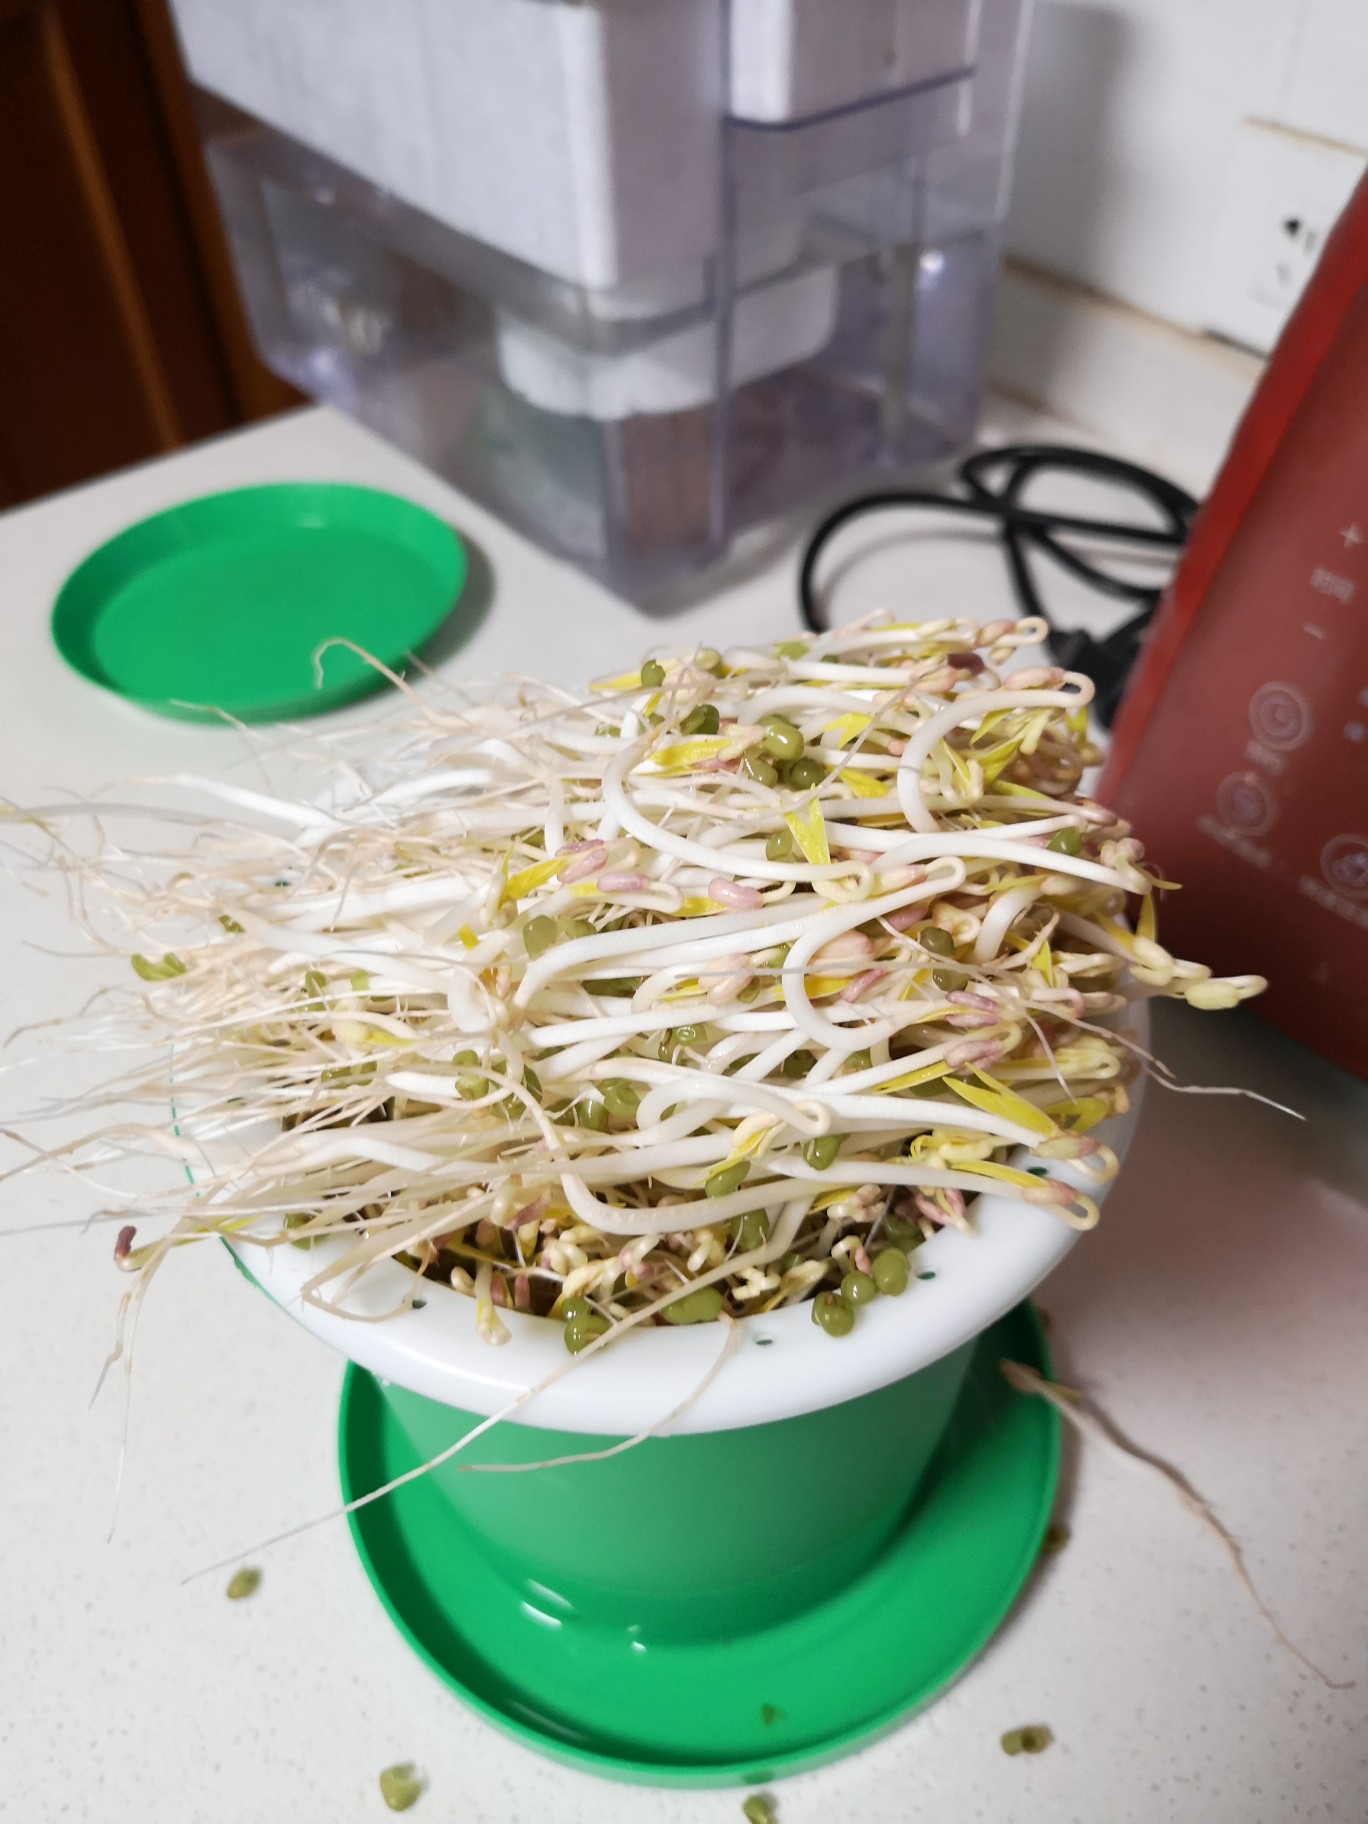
column 219, row 606
column 753, row 1707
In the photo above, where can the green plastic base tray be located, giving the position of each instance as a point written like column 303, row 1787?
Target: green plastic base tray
column 754, row 1707
column 219, row 606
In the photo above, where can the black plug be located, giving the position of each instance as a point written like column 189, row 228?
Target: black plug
column 1107, row 662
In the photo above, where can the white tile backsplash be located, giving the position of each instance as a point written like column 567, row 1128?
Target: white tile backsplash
column 1132, row 115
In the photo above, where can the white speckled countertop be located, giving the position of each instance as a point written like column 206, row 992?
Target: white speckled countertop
column 1219, row 1315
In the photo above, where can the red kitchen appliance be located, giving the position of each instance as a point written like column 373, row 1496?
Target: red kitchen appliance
column 1241, row 749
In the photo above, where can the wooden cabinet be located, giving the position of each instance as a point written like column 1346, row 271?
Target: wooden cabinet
column 121, row 334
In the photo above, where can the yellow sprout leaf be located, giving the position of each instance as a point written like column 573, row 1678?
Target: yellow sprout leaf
column 1006, row 1174
column 1081, row 1112
column 358, row 1034
column 862, row 785
column 1004, row 1104
column 1000, row 883
column 683, row 991
column 1145, row 951
column 818, row 985
column 1008, row 789
column 994, row 719
column 951, row 1144
column 927, row 1074
column 467, row 937
column 1147, row 924
column 957, row 765
column 519, row 884
column 679, row 756
column 810, row 835
column 752, row 1139
column 1035, row 728
column 997, row 758
column 1045, row 963
column 827, row 1198
column 845, row 728
column 699, row 908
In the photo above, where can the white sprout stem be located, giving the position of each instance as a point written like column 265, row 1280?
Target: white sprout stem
column 1006, row 910
column 304, row 817
column 937, row 727
column 626, row 948
column 507, row 1001
column 822, row 930
column 742, row 862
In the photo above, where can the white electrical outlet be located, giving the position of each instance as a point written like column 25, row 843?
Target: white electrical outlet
column 1286, row 259
column 1283, row 193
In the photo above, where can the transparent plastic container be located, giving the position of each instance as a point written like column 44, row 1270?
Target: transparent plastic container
column 735, row 315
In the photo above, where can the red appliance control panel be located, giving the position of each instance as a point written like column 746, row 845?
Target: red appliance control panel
column 1241, row 755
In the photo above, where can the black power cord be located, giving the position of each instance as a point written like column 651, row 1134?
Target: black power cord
column 993, row 482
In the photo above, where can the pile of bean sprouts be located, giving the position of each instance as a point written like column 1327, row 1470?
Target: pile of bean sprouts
column 712, row 989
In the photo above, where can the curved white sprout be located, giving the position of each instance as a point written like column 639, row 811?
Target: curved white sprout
column 576, row 994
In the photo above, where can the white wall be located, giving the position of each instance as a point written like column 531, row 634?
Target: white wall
column 1132, row 131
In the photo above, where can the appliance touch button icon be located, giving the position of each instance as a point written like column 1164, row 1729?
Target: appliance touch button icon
column 1280, row 716
column 1344, row 863
column 1246, row 804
